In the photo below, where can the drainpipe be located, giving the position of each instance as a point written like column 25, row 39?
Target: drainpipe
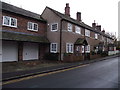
column 84, row 45
column 61, row 39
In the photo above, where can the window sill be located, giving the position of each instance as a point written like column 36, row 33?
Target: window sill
column 32, row 30
column 53, row 52
column 54, row 30
column 10, row 26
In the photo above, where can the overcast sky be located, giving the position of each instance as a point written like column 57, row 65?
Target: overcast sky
column 104, row 12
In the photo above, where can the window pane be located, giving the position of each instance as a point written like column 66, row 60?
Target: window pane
column 6, row 20
column 69, row 48
column 53, row 47
column 35, row 27
column 77, row 30
column 69, row 27
column 54, row 27
column 29, row 25
column 13, row 22
column 87, row 33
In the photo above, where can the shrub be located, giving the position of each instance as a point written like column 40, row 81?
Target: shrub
column 51, row 56
column 99, row 52
column 104, row 53
column 67, row 54
column 93, row 52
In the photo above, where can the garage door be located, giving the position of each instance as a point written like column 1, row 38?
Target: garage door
column 30, row 51
column 9, row 51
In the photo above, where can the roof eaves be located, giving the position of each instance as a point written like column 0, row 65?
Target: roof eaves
column 23, row 37
column 20, row 11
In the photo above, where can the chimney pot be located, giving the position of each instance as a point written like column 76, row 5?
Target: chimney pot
column 103, row 31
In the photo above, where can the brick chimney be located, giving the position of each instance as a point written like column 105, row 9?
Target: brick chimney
column 67, row 9
column 98, row 27
column 78, row 16
column 94, row 25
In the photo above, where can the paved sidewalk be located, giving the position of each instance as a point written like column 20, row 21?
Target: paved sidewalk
column 20, row 74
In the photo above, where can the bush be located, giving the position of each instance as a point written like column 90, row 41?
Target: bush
column 99, row 52
column 93, row 53
column 51, row 56
column 104, row 53
column 67, row 54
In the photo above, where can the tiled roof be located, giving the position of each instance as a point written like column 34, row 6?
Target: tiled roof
column 82, row 24
column 81, row 41
column 20, row 11
column 7, row 35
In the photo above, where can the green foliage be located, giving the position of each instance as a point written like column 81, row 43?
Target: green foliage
column 51, row 56
column 99, row 52
column 93, row 52
column 67, row 54
column 104, row 53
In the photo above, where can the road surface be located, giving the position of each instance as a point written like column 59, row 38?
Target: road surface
column 102, row 74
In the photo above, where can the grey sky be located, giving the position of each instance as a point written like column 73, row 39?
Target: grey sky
column 104, row 12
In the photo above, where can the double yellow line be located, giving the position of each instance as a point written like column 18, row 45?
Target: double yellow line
column 40, row 75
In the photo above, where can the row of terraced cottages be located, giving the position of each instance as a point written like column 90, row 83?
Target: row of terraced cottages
column 51, row 35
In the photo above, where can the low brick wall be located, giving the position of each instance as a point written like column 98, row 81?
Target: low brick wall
column 73, row 58
column 95, row 56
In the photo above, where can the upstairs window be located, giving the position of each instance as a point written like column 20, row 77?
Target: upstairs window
column 32, row 26
column 87, row 33
column 53, row 48
column 69, row 47
column 9, row 21
column 96, row 36
column 69, row 27
column 54, row 27
column 77, row 30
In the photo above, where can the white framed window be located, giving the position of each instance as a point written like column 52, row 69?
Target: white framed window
column 77, row 30
column 87, row 49
column 82, row 49
column 9, row 21
column 53, row 48
column 78, row 48
column 96, row 36
column 54, row 27
column 69, row 47
column 32, row 26
column 69, row 27
column 87, row 32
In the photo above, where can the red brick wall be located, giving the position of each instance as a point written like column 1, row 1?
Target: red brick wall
column 22, row 24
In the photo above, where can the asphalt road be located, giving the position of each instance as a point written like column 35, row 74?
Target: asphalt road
column 102, row 74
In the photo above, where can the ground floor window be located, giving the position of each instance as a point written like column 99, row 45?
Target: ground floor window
column 87, row 49
column 53, row 48
column 69, row 48
column 82, row 49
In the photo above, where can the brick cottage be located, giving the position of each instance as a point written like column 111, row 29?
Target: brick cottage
column 30, row 36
